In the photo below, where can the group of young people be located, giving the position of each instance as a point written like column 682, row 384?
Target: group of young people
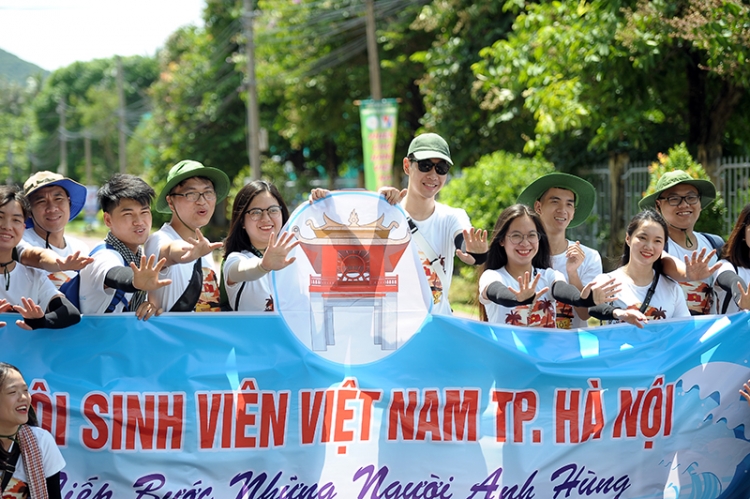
column 531, row 273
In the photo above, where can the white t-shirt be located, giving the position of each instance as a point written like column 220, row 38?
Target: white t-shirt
column 28, row 283
column 93, row 295
column 540, row 313
column 567, row 316
column 440, row 230
column 52, row 462
column 667, row 301
column 180, row 274
column 71, row 246
column 743, row 272
column 699, row 294
column 257, row 295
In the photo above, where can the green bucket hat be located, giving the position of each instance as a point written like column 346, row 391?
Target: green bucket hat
column 186, row 169
column 705, row 188
column 584, row 191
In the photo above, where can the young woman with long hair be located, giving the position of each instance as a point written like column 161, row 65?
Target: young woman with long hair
column 518, row 285
column 646, row 293
column 255, row 247
column 30, row 461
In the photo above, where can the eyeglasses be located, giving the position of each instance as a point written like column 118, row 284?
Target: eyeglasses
column 194, row 196
column 517, row 238
column 426, row 166
column 677, row 200
column 257, row 213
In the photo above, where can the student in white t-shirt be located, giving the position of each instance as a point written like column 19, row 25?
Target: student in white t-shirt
column 120, row 276
column 255, row 247
column 25, row 290
column 680, row 199
column 646, row 293
column 730, row 285
column 190, row 195
column 565, row 201
column 19, row 431
column 55, row 200
column 518, row 286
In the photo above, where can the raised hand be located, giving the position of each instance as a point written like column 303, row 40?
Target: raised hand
column 744, row 303
column 317, row 193
column 4, row 307
column 198, row 248
column 696, row 266
column 275, row 257
column 28, row 310
column 476, row 242
column 745, row 392
column 527, row 287
column 146, row 276
column 391, row 194
column 574, row 257
column 75, row 262
column 605, row 291
column 631, row 316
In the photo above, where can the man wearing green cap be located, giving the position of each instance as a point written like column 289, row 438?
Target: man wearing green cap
column 680, row 199
column 191, row 194
column 438, row 230
column 563, row 201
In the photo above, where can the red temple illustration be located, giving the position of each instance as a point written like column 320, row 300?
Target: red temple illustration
column 351, row 264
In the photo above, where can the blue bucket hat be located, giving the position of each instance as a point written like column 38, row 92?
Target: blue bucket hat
column 40, row 180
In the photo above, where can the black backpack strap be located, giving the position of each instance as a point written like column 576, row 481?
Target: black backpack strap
column 189, row 298
column 8, row 466
column 716, row 242
column 650, row 293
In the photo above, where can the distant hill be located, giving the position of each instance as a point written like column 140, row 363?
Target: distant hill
column 15, row 70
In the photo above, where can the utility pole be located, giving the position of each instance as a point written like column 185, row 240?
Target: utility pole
column 122, row 153
column 62, row 168
column 87, row 153
column 253, row 123
column 372, row 52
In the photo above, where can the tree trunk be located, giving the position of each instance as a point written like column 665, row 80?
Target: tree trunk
column 617, row 163
column 709, row 147
column 332, row 162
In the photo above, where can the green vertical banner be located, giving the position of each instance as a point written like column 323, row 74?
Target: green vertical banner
column 378, row 118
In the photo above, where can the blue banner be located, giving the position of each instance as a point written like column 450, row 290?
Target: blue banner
column 236, row 406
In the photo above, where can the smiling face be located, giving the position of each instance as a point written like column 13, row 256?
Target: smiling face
column 12, row 225
column 426, row 185
column 556, row 208
column 683, row 215
column 50, row 209
column 646, row 242
column 130, row 222
column 260, row 230
column 195, row 214
column 14, row 402
column 521, row 253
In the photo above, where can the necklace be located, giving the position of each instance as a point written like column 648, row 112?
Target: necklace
column 12, row 437
column 6, row 274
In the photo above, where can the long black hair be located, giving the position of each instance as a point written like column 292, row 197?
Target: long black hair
column 5, row 369
column 736, row 250
column 237, row 239
column 498, row 258
column 648, row 215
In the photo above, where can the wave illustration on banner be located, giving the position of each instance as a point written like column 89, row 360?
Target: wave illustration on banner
column 356, row 276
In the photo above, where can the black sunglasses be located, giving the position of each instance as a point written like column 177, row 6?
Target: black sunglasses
column 426, row 165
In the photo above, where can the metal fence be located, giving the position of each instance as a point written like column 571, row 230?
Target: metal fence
column 734, row 174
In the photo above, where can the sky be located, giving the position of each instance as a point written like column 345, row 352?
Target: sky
column 55, row 33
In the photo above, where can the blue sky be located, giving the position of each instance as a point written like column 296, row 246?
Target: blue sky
column 55, row 33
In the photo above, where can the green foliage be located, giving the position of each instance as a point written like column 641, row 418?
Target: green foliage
column 493, row 184
column 679, row 158
column 17, row 71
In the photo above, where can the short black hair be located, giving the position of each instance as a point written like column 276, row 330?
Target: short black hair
column 124, row 186
column 10, row 193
